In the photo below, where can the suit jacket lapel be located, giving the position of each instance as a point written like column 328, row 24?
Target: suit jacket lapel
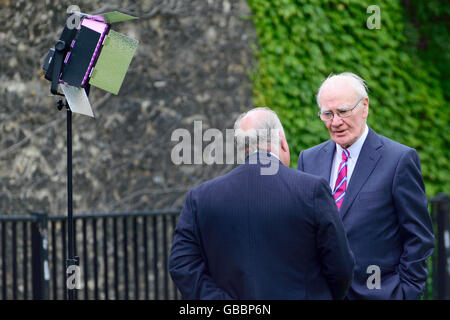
column 327, row 153
column 367, row 160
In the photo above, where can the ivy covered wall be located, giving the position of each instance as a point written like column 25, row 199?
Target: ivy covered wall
column 301, row 42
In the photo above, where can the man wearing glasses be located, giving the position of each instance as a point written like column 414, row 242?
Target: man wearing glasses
column 379, row 191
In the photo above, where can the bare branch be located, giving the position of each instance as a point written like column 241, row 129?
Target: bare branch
column 17, row 145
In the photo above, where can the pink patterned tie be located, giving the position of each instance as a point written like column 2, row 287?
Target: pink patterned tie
column 341, row 181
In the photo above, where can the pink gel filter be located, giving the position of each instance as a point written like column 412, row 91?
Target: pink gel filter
column 101, row 28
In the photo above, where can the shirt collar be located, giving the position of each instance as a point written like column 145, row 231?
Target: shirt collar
column 271, row 153
column 274, row 155
column 356, row 147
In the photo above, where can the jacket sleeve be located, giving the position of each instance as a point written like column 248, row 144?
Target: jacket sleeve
column 416, row 228
column 187, row 265
column 335, row 256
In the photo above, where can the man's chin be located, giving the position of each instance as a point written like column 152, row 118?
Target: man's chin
column 344, row 143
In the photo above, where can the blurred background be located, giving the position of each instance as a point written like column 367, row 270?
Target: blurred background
column 205, row 60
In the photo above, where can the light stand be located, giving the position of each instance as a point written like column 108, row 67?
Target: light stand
column 71, row 260
column 88, row 53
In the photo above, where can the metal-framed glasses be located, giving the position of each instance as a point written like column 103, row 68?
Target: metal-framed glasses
column 342, row 112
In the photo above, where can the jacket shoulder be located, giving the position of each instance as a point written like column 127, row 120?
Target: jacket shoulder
column 394, row 146
column 312, row 154
column 216, row 182
column 318, row 147
column 309, row 183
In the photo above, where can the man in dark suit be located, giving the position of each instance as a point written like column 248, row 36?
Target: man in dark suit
column 261, row 234
column 378, row 187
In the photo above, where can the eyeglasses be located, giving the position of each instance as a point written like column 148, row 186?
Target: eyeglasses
column 342, row 112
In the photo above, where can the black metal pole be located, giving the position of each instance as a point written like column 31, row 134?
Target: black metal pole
column 70, row 260
column 39, row 256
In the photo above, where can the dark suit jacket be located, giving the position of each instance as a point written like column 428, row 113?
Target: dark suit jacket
column 385, row 215
column 250, row 236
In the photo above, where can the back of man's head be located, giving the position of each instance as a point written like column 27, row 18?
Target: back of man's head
column 260, row 129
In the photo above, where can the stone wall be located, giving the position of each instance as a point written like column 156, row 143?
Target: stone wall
column 193, row 63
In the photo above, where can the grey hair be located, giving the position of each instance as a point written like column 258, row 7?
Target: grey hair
column 357, row 83
column 265, row 132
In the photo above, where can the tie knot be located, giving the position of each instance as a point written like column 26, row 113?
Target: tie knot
column 345, row 155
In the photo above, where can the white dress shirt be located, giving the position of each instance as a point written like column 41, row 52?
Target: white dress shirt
column 354, row 151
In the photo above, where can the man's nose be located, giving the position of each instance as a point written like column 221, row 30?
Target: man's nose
column 336, row 121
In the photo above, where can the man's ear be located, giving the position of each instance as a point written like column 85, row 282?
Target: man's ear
column 284, row 145
column 365, row 107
